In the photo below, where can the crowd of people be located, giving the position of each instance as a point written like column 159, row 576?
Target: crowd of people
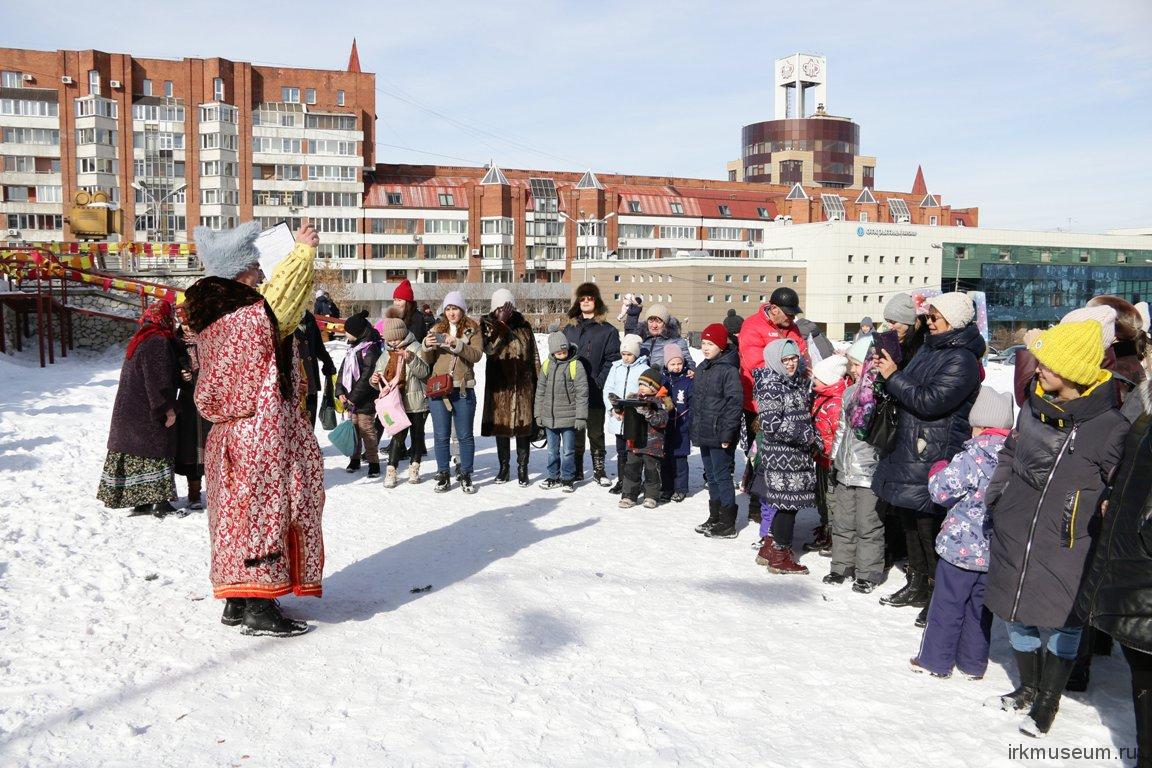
column 1040, row 518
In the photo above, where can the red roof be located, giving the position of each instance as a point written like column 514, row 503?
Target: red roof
column 657, row 201
column 419, row 193
column 354, row 58
column 918, row 186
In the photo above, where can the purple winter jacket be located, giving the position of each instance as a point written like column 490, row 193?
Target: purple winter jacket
column 961, row 487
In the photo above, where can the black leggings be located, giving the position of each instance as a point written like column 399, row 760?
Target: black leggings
column 920, row 531
column 1141, row 665
column 783, row 525
column 397, row 445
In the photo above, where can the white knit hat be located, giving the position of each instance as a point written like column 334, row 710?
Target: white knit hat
column 453, row 299
column 631, row 343
column 227, row 252
column 992, row 409
column 1103, row 314
column 954, row 307
column 657, row 310
column 501, row 297
column 831, row 369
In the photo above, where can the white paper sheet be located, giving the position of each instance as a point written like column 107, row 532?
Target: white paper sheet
column 274, row 245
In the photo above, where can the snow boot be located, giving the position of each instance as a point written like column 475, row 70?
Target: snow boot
column 194, row 501
column 353, row 465
column 162, row 509
column 233, row 611
column 863, row 586
column 922, row 617
column 618, row 488
column 599, row 472
column 140, row 510
column 713, row 516
column 414, row 473
column 922, row 599
column 1029, row 663
column 679, row 496
column 550, row 483
column 522, row 474
column 579, row 467
column 443, row 483
column 725, row 527
column 1053, row 677
column 466, row 482
column 626, row 503
column 779, row 560
column 568, row 486
column 651, row 503
column 373, row 470
column 837, row 578
column 821, row 540
column 390, row 477
column 262, row 617
column 908, row 593
column 502, row 472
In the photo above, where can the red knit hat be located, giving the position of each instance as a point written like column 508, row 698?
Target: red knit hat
column 717, row 334
column 404, row 291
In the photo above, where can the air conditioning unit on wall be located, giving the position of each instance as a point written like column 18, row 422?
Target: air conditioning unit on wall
column 28, row 78
column 13, row 233
column 114, row 84
column 66, row 80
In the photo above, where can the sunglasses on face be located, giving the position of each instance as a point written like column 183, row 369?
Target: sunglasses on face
column 934, row 317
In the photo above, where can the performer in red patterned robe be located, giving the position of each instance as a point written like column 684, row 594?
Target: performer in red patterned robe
column 264, row 472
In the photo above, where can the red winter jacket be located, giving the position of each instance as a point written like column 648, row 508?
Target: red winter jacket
column 756, row 333
column 827, row 402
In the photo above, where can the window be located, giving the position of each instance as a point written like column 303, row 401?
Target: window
column 499, row 226
column 849, row 297
column 863, row 216
column 616, row 279
column 36, row 221
column 677, row 207
column 446, row 200
column 168, row 88
column 153, row 113
column 779, row 278
column 220, row 168
column 392, row 226
column 330, row 122
column 334, row 225
column 795, row 279
column 1004, row 255
column 49, row 136
column 727, row 298
column 898, row 211
column 628, row 231
column 11, row 80
column 634, row 206
column 1121, row 257
column 711, row 278
column 896, row 279
column 93, row 82
column 744, row 279
column 711, row 299
column 445, row 226
column 744, row 298
column 865, row 278
column 851, row 258
column 331, row 147
column 762, row 212
column 849, row 278
column 395, row 198
column 866, row 257
column 723, row 233
column 725, row 210
column 880, row 279
column 1085, row 257
column 146, row 87
column 933, row 220
column 29, row 108
column 331, row 173
column 290, row 95
column 309, row 95
column 1045, row 257
column 393, row 251
column 98, row 165
column 727, row 278
column 833, row 207
column 340, row 98
column 334, row 199
column 497, row 252
column 218, row 88
column 864, row 299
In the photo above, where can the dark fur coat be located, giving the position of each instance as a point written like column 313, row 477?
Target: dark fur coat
column 513, row 367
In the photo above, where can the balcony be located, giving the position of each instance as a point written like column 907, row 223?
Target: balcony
column 496, row 264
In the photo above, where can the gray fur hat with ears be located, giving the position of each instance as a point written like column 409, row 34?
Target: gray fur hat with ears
column 228, row 252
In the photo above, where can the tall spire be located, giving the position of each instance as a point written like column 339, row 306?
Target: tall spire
column 918, row 186
column 354, row 58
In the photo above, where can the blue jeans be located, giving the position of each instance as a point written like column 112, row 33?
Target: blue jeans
column 718, row 466
column 561, row 453
column 463, row 414
column 1063, row 642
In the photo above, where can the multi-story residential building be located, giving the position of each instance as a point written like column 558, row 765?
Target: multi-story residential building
column 176, row 143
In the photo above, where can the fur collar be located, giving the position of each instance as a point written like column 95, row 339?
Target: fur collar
column 211, row 298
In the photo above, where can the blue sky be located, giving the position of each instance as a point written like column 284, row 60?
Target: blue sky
column 1039, row 112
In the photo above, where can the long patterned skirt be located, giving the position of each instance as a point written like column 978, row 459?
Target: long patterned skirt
column 129, row 481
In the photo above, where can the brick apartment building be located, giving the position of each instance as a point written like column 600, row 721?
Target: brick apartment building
column 178, row 142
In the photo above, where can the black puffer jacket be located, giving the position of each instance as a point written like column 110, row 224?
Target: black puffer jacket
column 362, row 393
column 717, row 401
column 935, row 394
column 1042, row 501
column 1116, row 596
column 598, row 345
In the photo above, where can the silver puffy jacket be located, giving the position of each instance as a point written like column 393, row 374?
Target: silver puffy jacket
column 854, row 459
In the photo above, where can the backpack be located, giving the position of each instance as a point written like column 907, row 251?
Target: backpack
column 571, row 367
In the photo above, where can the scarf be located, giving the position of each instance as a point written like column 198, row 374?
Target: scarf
column 352, row 365
column 157, row 320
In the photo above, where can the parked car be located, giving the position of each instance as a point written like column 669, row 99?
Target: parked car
column 1006, row 356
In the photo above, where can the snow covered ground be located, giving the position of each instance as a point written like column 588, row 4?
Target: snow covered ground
column 559, row 630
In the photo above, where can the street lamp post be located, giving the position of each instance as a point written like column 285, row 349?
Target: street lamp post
column 587, row 220
column 156, row 203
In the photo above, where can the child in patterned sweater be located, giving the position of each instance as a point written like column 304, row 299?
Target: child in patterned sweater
column 959, row 626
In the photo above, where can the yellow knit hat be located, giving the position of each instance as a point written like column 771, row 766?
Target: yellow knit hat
column 1073, row 351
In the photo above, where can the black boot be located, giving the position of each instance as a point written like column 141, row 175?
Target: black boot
column 442, row 482
column 922, row 617
column 140, row 509
column 912, row 591
column 373, row 470
column 1029, row 664
column 522, row 450
column 162, row 508
column 713, row 516
column 263, row 617
column 233, row 611
column 1142, row 704
column 353, row 465
column 599, row 472
column 1053, row 677
column 922, row 599
column 725, row 527
column 579, row 467
column 618, row 488
column 502, row 472
column 466, row 482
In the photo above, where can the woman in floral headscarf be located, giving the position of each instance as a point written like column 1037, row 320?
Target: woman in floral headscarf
column 141, row 439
